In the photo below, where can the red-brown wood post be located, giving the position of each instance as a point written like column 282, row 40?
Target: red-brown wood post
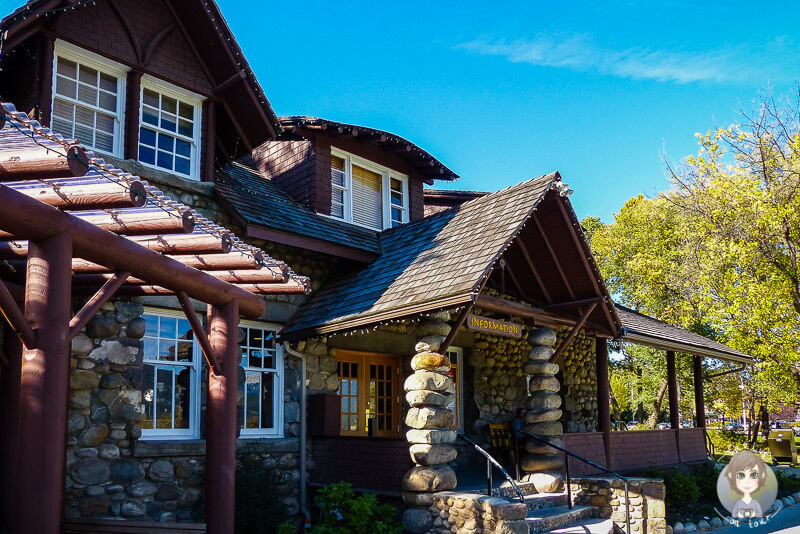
column 223, row 323
column 603, row 397
column 699, row 402
column 9, row 422
column 672, row 392
column 43, row 388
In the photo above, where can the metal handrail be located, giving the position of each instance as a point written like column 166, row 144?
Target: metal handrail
column 711, row 450
column 489, row 462
column 600, row 467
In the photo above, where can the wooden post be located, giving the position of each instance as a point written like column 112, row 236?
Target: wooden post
column 133, row 95
column 9, row 422
column 223, row 324
column 699, row 402
column 43, row 388
column 603, row 396
column 672, row 385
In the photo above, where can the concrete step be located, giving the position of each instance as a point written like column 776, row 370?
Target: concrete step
column 587, row 526
column 547, row 519
column 539, row 501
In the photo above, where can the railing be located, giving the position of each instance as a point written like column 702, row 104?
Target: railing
column 489, row 463
column 710, row 449
column 584, row 460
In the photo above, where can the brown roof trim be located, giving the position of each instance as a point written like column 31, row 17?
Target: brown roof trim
column 317, row 245
column 455, row 194
column 428, row 166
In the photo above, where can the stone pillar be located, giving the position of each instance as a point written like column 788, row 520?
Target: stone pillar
column 428, row 390
column 542, row 463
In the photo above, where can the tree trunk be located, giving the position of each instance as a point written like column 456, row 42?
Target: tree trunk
column 615, row 411
column 652, row 421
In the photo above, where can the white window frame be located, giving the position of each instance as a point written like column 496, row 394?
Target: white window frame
column 193, row 432
column 277, row 394
column 386, row 188
column 70, row 52
column 172, row 91
column 458, row 352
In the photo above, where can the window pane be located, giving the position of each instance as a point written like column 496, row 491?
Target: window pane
column 108, row 83
column 150, row 116
column 164, row 160
column 170, row 105
column 105, row 123
column 150, row 348
column 67, row 68
column 168, row 327
column 182, row 148
column 147, row 155
column 108, row 101
column 150, row 98
column 166, row 350
column 66, row 87
column 255, row 358
column 367, row 197
column 183, row 405
column 148, row 137
column 185, row 128
column 182, row 165
column 150, row 325
column 269, row 339
column 255, row 338
column 184, row 329
column 344, row 388
column 163, row 397
column 185, row 351
column 88, row 75
column 168, row 122
column 186, row 111
column 148, row 396
column 166, row 142
column 267, row 390
column 84, row 134
column 84, row 116
column 63, row 127
column 252, row 398
column 87, row 94
column 397, row 198
column 104, row 141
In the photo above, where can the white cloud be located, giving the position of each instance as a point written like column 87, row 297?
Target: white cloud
column 580, row 53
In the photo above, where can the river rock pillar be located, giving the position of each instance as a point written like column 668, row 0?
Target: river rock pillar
column 428, row 391
column 543, row 463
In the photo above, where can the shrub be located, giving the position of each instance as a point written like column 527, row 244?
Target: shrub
column 258, row 502
column 681, row 490
column 343, row 512
column 787, row 484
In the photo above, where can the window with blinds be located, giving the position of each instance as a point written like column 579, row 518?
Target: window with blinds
column 366, row 194
column 87, row 100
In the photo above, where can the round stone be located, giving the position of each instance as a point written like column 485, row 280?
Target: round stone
column 426, row 454
column 142, row 489
column 542, row 462
column 417, row 520
column 161, row 470
column 112, row 381
column 539, row 367
column 168, row 492
column 544, row 383
column 537, row 447
column 93, row 436
column 426, row 328
column 417, row 499
column 127, row 471
column 94, row 507
column 83, row 379
column 428, row 380
column 431, row 436
column 429, row 417
column 102, row 327
column 541, row 353
column 183, row 469
column 546, row 482
column 76, row 422
column 542, row 336
column 133, row 509
column 135, row 328
column 543, row 401
column 82, row 345
column 715, row 522
column 89, row 471
column 549, row 428
column 434, row 478
column 108, row 451
column 703, row 525
column 420, row 397
column 540, row 416
column 430, row 361
column 429, row 343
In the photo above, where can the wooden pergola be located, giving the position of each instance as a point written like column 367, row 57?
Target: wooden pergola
column 71, row 224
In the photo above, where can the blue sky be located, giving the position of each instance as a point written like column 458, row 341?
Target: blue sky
column 504, row 91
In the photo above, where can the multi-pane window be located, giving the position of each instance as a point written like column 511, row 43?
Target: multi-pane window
column 171, row 377
column 169, row 129
column 262, row 398
column 455, row 354
column 367, row 194
column 369, row 394
column 88, row 99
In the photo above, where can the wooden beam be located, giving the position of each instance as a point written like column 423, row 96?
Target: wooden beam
column 23, row 216
column 288, row 288
column 403, row 148
column 553, row 255
column 39, row 163
column 574, row 304
column 424, row 163
column 237, row 125
column 462, row 318
column 96, row 302
column 236, row 78
column 378, row 138
column 511, row 275
column 524, row 250
column 199, row 332
column 514, row 309
column 699, row 399
column 672, row 391
column 572, row 333
column 128, row 222
column 266, row 275
column 16, row 318
column 603, row 396
column 98, row 196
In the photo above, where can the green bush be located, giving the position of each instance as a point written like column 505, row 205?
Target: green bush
column 258, row 502
column 344, row 512
column 681, row 490
column 787, row 484
column 729, row 440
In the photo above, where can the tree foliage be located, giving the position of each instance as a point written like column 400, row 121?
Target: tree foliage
column 719, row 253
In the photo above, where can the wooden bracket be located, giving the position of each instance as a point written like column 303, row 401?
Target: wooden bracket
column 16, row 318
column 96, row 302
column 572, row 333
column 199, row 332
column 574, row 304
column 723, row 373
column 462, row 318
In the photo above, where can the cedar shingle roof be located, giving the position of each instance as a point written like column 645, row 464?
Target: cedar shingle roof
column 644, row 330
column 439, row 261
column 262, row 202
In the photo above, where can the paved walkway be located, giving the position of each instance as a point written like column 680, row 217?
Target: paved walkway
column 787, row 521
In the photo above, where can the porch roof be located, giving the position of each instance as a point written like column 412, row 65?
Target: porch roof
column 446, row 259
column 644, row 330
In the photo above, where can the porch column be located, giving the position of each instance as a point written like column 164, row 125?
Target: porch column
column 699, row 402
column 223, row 323
column 543, row 463
column 603, row 396
column 429, row 390
column 672, row 385
column 9, row 422
column 44, row 386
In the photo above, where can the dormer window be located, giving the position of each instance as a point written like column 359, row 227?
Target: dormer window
column 367, row 194
column 88, row 98
column 169, row 128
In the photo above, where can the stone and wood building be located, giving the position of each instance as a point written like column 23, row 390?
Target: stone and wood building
column 187, row 277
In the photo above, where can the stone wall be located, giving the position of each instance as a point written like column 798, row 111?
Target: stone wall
column 475, row 513
column 111, row 472
column 578, row 382
column 606, row 496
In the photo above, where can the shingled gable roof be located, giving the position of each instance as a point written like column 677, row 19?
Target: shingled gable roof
column 644, row 330
column 260, row 202
column 440, row 261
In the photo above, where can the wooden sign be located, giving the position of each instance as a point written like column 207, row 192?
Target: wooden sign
column 493, row 326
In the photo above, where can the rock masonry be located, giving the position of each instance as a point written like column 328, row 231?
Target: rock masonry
column 606, row 496
column 543, row 463
column 429, row 390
